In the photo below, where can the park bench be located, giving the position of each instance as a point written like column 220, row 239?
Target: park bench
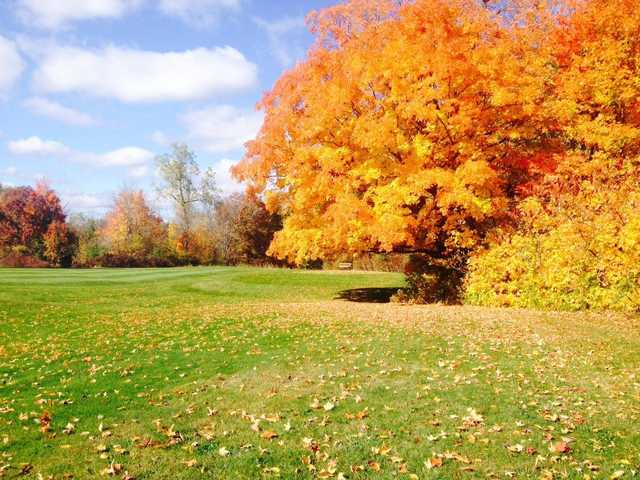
column 345, row 266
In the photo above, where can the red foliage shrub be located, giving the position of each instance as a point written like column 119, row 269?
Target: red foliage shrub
column 18, row 260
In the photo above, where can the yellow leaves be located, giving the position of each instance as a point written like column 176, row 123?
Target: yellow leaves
column 375, row 150
column 517, row 448
column 45, row 421
column 131, row 227
column 502, row 96
column 367, row 173
column 423, row 146
column 113, row 469
column 269, row 435
column 577, row 251
column 191, row 463
column 560, row 447
column 472, row 419
column 374, row 466
column 271, row 471
column 434, row 462
column 364, row 129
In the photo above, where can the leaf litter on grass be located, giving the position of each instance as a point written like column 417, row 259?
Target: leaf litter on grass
column 322, row 389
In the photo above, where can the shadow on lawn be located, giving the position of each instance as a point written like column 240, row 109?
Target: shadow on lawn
column 367, row 295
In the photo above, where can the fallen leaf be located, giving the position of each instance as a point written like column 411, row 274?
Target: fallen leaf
column 269, row 435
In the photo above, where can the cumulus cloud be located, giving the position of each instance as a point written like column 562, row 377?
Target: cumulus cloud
column 11, row 65
column 222, row 128
column 123, row 157
column 199, row 12
column 37, row 146
column 134, row 158
column 56, row 14
column 47, row 108
column 144, row 76
column 83, row 202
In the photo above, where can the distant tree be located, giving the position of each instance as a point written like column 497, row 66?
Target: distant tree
column 60, row 243
column 255, row 227
column 131, row 227
column 209, row 198
column 244, row 229
column 184, row 186
column 227, row 238
column 87, row 231
column 26, row 215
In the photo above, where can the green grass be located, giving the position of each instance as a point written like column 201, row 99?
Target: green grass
column 256, row 373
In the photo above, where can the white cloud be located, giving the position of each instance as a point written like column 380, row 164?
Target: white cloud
column 55, row 14
column 82, row 202
column 199, row 12
column 11, row 171
column 47, row 108
column 285, row 51
column 225, row 182
column 11, row 65
column 124, row 157
column 144, row 76
column 37, row 146
column 222, row 128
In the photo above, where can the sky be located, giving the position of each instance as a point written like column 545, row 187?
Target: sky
column 92, row 90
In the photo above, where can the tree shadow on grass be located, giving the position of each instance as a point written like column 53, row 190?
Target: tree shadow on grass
column 367, row 295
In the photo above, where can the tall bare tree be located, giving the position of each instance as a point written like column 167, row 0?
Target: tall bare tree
column 179, row 171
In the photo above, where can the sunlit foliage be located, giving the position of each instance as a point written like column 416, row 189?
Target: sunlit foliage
column 433, row 127
column 579, row 235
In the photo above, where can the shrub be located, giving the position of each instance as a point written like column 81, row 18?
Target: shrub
column 19, row 258
column 583, row 256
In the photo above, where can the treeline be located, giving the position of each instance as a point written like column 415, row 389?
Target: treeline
column 206, row 228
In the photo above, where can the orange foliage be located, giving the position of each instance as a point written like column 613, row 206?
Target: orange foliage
column 59, row 244
column 579, row 236
column 131, row 227
column 411, row 126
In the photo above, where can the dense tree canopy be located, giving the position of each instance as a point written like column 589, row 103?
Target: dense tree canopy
column 32, row 224
column 131, row 227
column 578, row 235
column 443, row 126
column 26, row 214
column 410, row 127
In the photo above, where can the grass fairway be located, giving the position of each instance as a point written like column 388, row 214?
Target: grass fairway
column 248, row 373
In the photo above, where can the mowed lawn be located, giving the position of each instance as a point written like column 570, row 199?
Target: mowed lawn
column 255, row 373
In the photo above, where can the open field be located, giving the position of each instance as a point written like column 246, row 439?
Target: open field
column 249, row 373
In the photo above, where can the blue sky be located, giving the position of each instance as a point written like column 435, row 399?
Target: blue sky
column 92, row 90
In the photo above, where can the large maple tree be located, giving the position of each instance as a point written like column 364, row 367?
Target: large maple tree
column 411, row 126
